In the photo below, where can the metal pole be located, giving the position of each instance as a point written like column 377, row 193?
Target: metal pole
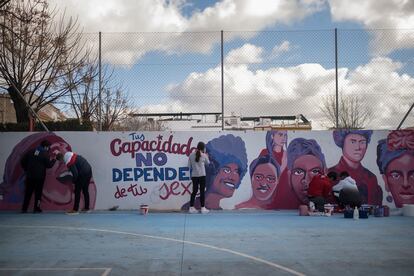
column 405, row 117
column 222, row 81
column 100, row 82
column 336, row 79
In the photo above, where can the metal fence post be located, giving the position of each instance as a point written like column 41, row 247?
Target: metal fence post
column 336, row 79
column 100, row 82
column 405, row 117
column 222, row 81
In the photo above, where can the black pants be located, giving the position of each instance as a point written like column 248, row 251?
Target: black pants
column 82, row 184
column 319, row 202
column 350, row 197
column 198, row 181
column 36, row 186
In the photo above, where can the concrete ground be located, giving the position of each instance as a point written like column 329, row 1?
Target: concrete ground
column 218, row 243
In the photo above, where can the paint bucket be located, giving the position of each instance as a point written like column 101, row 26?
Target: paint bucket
column 368, row 208
column 303, row 210
column 144, row 209
column 328, row 208
column 379, row 211
column 386, row 211
column 363, row 213
column 408, row 210
column 348, row 213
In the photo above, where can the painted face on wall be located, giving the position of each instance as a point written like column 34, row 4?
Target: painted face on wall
column 303, row 170
column 264, row 181
column 227, row 180
column 355, row 146
column 55, row 194
column 279, row 138
column 399, row 179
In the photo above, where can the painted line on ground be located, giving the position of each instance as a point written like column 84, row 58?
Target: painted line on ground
column 256, row 259
column 105, row 269
column 137, row 212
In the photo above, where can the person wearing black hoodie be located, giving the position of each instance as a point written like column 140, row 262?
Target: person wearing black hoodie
column 34, row 163
column 81, row 176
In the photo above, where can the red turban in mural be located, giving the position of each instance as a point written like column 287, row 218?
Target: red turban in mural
column 401, row 140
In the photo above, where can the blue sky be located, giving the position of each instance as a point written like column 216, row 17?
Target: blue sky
column 279, row 54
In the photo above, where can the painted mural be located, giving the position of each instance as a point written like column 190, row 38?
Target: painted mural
column 262, row 170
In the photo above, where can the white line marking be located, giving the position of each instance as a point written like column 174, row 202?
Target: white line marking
column 106, row 272
column 105, row 269
column 294, row 272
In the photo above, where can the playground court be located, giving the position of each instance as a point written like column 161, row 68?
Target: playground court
column 218, row 243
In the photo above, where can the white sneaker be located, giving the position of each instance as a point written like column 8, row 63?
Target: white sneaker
column 192, row 210
column 204, row 210
column 72, row 212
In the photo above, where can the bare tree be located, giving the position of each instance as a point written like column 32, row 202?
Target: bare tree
column 114, row 108
column 84, row 96
column 354, row 113
column 38, row 51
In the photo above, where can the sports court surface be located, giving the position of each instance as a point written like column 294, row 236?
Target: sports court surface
column 218, row 243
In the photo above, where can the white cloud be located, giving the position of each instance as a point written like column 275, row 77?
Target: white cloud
column 251, row 14
column 281, row 48
column 248, row 53
column 294, row 90
column 396, row 15
column 150, row 17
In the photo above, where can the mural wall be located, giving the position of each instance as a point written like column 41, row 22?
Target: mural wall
column 265, row 170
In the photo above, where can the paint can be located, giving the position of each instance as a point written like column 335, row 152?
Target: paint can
column 144, row 209
column 408, row 210
column 386, row 211
column 368, row 208
column 303, row 210
column 379, row 211
column 328, row 208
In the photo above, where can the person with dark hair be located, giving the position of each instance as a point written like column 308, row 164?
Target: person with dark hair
column 197, row 162
column 333, row 176
column 34, row 163
column 346, row 191
column 354, row 144
column 81, row 176
column 320, row 190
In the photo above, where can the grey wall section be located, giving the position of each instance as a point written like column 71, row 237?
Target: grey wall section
column 134, row 168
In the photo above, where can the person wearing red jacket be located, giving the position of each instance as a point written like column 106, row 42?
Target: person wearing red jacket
column 320, row 190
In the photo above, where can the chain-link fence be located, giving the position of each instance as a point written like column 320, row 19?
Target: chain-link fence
column 268, row 73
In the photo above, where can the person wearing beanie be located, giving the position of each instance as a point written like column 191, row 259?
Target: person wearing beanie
column 82, row 174
column 34, row 163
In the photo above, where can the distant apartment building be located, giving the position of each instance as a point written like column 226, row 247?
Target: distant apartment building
column 46, row 114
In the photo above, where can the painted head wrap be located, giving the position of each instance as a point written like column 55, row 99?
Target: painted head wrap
column 302, row 146
column 397, row 143
column 340, row 135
